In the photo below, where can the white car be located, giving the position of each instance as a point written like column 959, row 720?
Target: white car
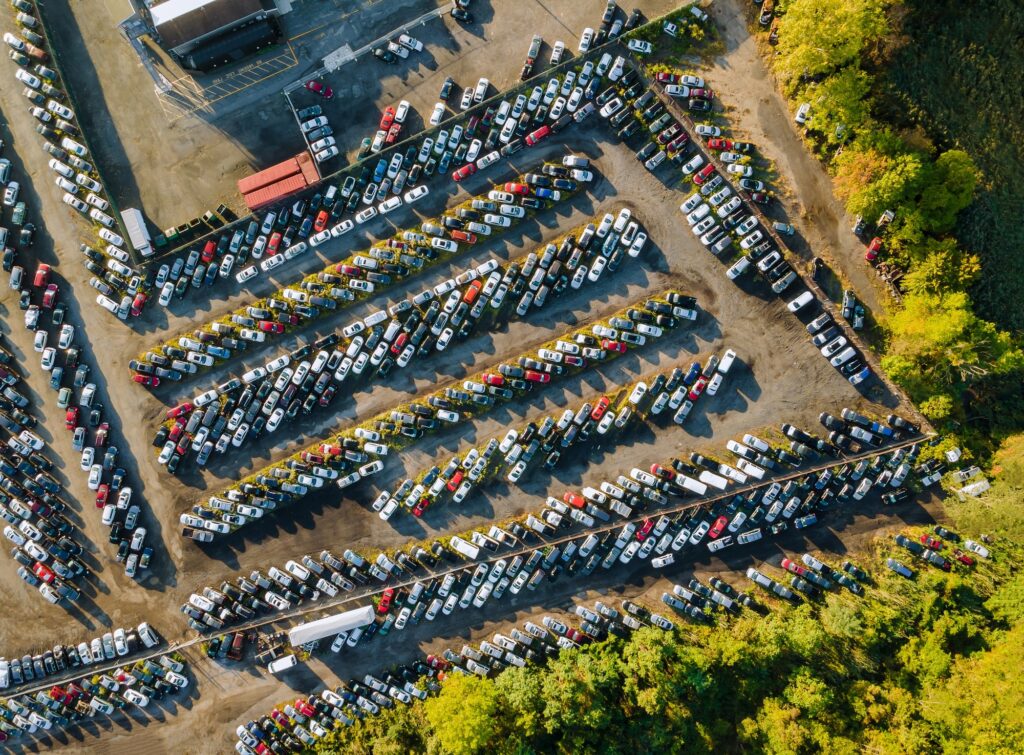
column 640, row 46
column 586, row 39
column 438, row 114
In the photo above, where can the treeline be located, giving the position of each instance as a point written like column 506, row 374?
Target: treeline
column 926, row 665
column 962, row 370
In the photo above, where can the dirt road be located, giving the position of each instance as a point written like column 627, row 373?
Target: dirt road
column 761, row 115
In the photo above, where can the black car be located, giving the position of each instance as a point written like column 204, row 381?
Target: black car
column 384, row 55
column 446, row 88
column 461, row 15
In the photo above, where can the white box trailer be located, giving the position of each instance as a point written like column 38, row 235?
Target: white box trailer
column 330, row 626
column 135, row 224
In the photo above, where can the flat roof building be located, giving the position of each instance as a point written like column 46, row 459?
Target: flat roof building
column 206, row 33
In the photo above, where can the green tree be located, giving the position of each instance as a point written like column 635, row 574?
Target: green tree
column 902, row 179
column 839, row 105
column 464, row 716
column 938, row 340
column 945, row 268
column 820, row 36
column 949, row 188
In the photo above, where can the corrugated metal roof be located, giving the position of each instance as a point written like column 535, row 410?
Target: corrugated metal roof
column 181, row 21
column 269, row 175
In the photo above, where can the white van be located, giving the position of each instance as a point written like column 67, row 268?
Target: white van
column 467, row 549
column 282, row 664
column 712, row 479
column 688, row 483
column 727, row 361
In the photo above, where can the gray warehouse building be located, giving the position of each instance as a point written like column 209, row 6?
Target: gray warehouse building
column 205, row 34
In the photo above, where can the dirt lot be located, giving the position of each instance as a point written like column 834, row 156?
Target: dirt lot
column 176, row 166
column 782, row 379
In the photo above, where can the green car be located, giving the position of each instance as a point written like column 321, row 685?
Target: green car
column 64, row 398
column 18, row 216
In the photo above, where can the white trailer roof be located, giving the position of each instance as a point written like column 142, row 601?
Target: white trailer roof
column 330, row 626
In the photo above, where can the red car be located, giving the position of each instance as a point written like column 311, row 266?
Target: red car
column 180, row 410
column 667, row 78
column 393, row 132
column 575, row 500
column 464, row 172
column 537, row 377
column 138, row 303
column 44, row 573
column 536, row 136
column 437, row 662
column 42, row 275
column 176, row 431
column 491, row 379
column 388, row 118
column 303, row 707
column 350, row 270
column 385, row 600
column 962, row 557
column 760, row 197
column 321, row 221
column 600, row 408
column 71, row 418
column 209, row 251
column 645, row 530
column 146, row 380
column 794, row 567
column 329, row 450
column 704, row 174
column 50, row 296
column 420, row 507
column 617, row 346
column 274, row 243
column 717, row 527
column 469, row 238
column 320, row 88
column 399, row 344
column 704, row 94
column 931, row 542
column 514, row 188
column 281, row 718
column 101, row 495
column 719, row 144
column 873, row 249
column 659, row 471
column 698, row 388
column 453, row 484
column 271, row 327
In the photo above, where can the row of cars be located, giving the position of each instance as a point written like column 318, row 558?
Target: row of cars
column 771, row 504
column 386, row 263
column 76, row 178
column 929, row 547
column 54, row 340
column 443, row 406
column 70, row 704
column 474, row 142
column 42, row 536
column 34, row 669
column 810, row 576
column 717, row 215
column 264, row 397
column 290, row 726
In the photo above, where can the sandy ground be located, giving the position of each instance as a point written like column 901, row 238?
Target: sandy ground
column 761, row 115
column 782, row 379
